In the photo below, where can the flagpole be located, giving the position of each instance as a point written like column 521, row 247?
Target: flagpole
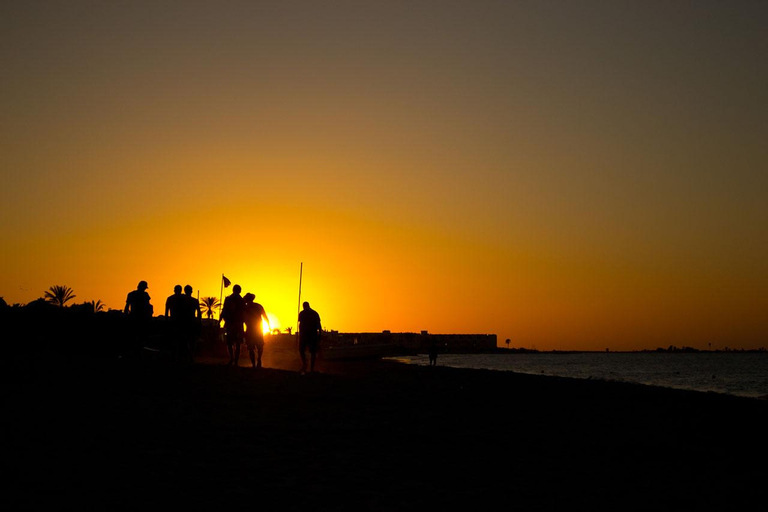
column 221, row 296
column 298, row 307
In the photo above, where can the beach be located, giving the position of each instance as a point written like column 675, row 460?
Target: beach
column 368, row 435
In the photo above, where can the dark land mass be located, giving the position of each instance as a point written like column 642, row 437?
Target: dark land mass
column 367, row 435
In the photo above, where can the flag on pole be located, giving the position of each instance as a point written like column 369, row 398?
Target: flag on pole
column 227, row 282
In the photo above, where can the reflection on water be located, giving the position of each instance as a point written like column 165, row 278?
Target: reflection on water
column 742, row 374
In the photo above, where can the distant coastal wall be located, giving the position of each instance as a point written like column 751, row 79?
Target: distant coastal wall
column 413, row 342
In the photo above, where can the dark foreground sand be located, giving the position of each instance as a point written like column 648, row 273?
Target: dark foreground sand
column 385, row 436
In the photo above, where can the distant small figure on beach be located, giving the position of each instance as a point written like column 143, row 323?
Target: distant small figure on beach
column 232, row 314
column 193, row 324
column 254, row 329
column 139, row 311
column 309, row 336
column 433, row 350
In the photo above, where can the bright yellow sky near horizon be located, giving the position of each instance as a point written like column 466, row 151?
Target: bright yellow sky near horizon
column 582, row 175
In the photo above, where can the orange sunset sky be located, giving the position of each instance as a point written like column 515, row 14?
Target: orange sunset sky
column 569, row 175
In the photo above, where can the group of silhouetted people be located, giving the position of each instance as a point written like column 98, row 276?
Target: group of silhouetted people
column 244, row 321
column 181, row 310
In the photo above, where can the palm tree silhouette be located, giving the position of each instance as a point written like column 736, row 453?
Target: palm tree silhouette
column 209, row 305
column 59, row 295
column 97, row 305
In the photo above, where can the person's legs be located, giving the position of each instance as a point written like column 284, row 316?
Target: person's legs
column 252, row 354
column 312, row 354
column 260, row 348
column 231, row 342
column 302, row 349
column 186, row 340
column 131, row 340
column 180, row 353
column 190, row 347
column 193, row 334
column 140, row 341
column 234, row 340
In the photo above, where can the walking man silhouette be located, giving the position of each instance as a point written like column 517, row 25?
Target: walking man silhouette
column 193, row 319
column 309, row 336
column 139, row 311
column 433, row 350
column 174, row 312
column 232, row 314
column 254, row 328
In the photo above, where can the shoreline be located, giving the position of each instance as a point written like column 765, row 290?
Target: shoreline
column 376, row 435
column 408, row 359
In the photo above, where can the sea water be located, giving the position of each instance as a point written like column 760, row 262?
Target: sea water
column 734, row 373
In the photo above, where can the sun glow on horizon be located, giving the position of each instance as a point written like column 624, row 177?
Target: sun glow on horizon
column 274, row 323
column 563, row 194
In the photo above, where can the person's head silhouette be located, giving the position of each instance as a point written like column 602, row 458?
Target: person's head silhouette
column 236, row 289
column 177, row 289
column 188, row 290
column 249, row 297
column 142, row 285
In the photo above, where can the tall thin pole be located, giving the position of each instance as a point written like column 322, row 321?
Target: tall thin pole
column 221, row 296
column 298, row 307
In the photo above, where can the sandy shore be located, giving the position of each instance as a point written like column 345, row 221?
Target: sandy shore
column 364, row 436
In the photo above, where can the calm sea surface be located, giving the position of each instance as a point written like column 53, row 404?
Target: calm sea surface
column 734, row 373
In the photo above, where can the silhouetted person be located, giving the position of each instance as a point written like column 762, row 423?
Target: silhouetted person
column 309, row 336
column 433, row 354
column 174, row 312
column 254, row 328
column 232, row 314
column 193, row 325
column 139, row 311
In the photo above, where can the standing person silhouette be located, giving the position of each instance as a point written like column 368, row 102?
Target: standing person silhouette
column 433, row 351
column 174, row 311
column 254, row 333
column 309, row 336
column 174, row 303
column 193, row 323
column 232, row 314
column 139, row 311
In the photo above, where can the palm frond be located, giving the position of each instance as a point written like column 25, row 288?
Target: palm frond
column 59, row 295
column 208, row 305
